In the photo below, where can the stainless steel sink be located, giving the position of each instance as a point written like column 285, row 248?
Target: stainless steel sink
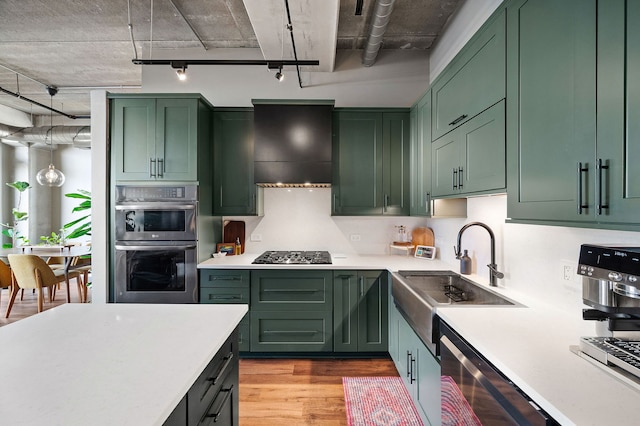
column 418, row 294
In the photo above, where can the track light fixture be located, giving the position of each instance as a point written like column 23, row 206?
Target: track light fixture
column 279, row 75
column 181, row 69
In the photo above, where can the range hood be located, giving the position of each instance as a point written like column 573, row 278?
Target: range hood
column 292, row 144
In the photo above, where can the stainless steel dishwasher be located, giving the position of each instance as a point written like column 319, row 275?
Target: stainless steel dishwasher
column 494, row 399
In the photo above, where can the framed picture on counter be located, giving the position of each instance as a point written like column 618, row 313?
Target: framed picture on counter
column 228, row 248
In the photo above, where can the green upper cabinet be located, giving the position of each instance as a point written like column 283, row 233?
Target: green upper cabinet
column 234, row 190
column 371, row 163
column 471, row 158
column 155, row 138
column 421, row 157
column 473, row 81
column 360, row 313
column 617, row 184
column 551, row 87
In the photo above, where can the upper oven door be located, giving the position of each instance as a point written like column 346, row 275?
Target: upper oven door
column 156, row 222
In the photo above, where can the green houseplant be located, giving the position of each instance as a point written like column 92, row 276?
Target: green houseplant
column 11, row 229
column 82, row 226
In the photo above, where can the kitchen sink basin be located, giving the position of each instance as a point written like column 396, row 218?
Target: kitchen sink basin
column 418, row 294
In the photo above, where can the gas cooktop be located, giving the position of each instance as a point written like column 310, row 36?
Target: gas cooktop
column 294, row 257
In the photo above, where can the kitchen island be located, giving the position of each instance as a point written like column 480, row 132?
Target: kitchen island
column 113, row 364
column 529, row 343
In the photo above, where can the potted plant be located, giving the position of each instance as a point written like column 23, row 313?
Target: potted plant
column 11, row 229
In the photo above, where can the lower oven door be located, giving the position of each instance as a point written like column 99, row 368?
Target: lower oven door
column 490, row 396
column 155, row 272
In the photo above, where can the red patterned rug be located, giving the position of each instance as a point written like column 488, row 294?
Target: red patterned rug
column 378, row 401
column 372, row 401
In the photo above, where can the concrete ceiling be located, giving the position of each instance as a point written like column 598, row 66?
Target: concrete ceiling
column 78, row 45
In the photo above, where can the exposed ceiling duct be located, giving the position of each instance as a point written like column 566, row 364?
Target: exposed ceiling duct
column 78, row 136
column 381, row 17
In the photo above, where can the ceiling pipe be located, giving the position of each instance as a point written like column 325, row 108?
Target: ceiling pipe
column 381, row 17
column 78, row 136
column 48, row 108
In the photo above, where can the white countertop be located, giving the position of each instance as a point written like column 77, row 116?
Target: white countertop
column 112, row 364
column 529, row 344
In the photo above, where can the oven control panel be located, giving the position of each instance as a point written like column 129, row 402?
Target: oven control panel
column 133, row 193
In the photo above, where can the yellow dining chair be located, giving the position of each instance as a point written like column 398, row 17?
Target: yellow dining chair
column 31, row 272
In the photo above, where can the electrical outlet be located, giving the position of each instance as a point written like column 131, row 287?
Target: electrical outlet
column 355, row 237
column 256, row 237
column 568, row 272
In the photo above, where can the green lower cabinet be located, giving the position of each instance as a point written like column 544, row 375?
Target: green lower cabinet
column 228, row 287
column 291, row 311
column 291, row 331
column 360, row 311
column 418, row 367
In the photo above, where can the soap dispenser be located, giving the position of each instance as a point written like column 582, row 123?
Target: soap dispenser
column 465, row 263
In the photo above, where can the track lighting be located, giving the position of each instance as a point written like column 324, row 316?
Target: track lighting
column 182, row 73
column 181, row 69
column 279, row 75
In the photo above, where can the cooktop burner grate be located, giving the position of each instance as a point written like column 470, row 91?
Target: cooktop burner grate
column 612, row 351
column 294, row 257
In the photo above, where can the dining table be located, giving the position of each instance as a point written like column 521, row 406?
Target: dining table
column 68, row 252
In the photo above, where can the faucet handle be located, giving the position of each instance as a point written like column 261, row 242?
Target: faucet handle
column 494, row 271
column 457, row 252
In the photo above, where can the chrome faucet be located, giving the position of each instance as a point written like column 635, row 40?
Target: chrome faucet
column 493, row 268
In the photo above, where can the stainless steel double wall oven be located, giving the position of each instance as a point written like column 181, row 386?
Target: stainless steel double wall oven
column 156, row 244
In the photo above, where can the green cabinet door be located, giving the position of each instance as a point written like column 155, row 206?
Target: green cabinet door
column 617, row 188
column 155, row 139
column 234, row 192
column 371, row 163
column 133, row 135
column 471, row 159
column 428, row 388
column 421, row 157
column 473, row 81
column 360, row 312
column 395, row 166
column 551, row 87
column 357, row 163
column 177, row 139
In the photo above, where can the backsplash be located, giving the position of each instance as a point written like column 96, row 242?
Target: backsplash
column 532, row 257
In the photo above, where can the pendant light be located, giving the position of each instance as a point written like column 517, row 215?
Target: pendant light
column 50, row 176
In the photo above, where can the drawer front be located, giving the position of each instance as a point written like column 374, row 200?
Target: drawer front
column 206, row 388
column 300, row 331
column 229, row 295
column 292, row 290
column 223, row 410
column 222, row 278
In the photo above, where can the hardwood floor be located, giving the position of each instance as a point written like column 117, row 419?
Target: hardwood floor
column 297, row 392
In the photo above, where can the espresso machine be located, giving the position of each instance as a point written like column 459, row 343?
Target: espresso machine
column 611, row 288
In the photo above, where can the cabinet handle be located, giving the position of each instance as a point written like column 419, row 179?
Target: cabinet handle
column 600, row 168
column 460, row 179
column 386, row 202
column 226, row 278
column 427, row 207
column 290, row 290
column 289, row 332
column 223, row 297
column 152, row 167
column 409, row 364
column 214, row 380
column 412, row 377
column 161, row 167
column 215, row 415
column 582, row 170
column 361, row 280
column 455, row 179
column 221, row 374
column 457, row 120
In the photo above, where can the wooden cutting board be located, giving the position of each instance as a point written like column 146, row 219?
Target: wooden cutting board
column 423, row 236
column 233, row 229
